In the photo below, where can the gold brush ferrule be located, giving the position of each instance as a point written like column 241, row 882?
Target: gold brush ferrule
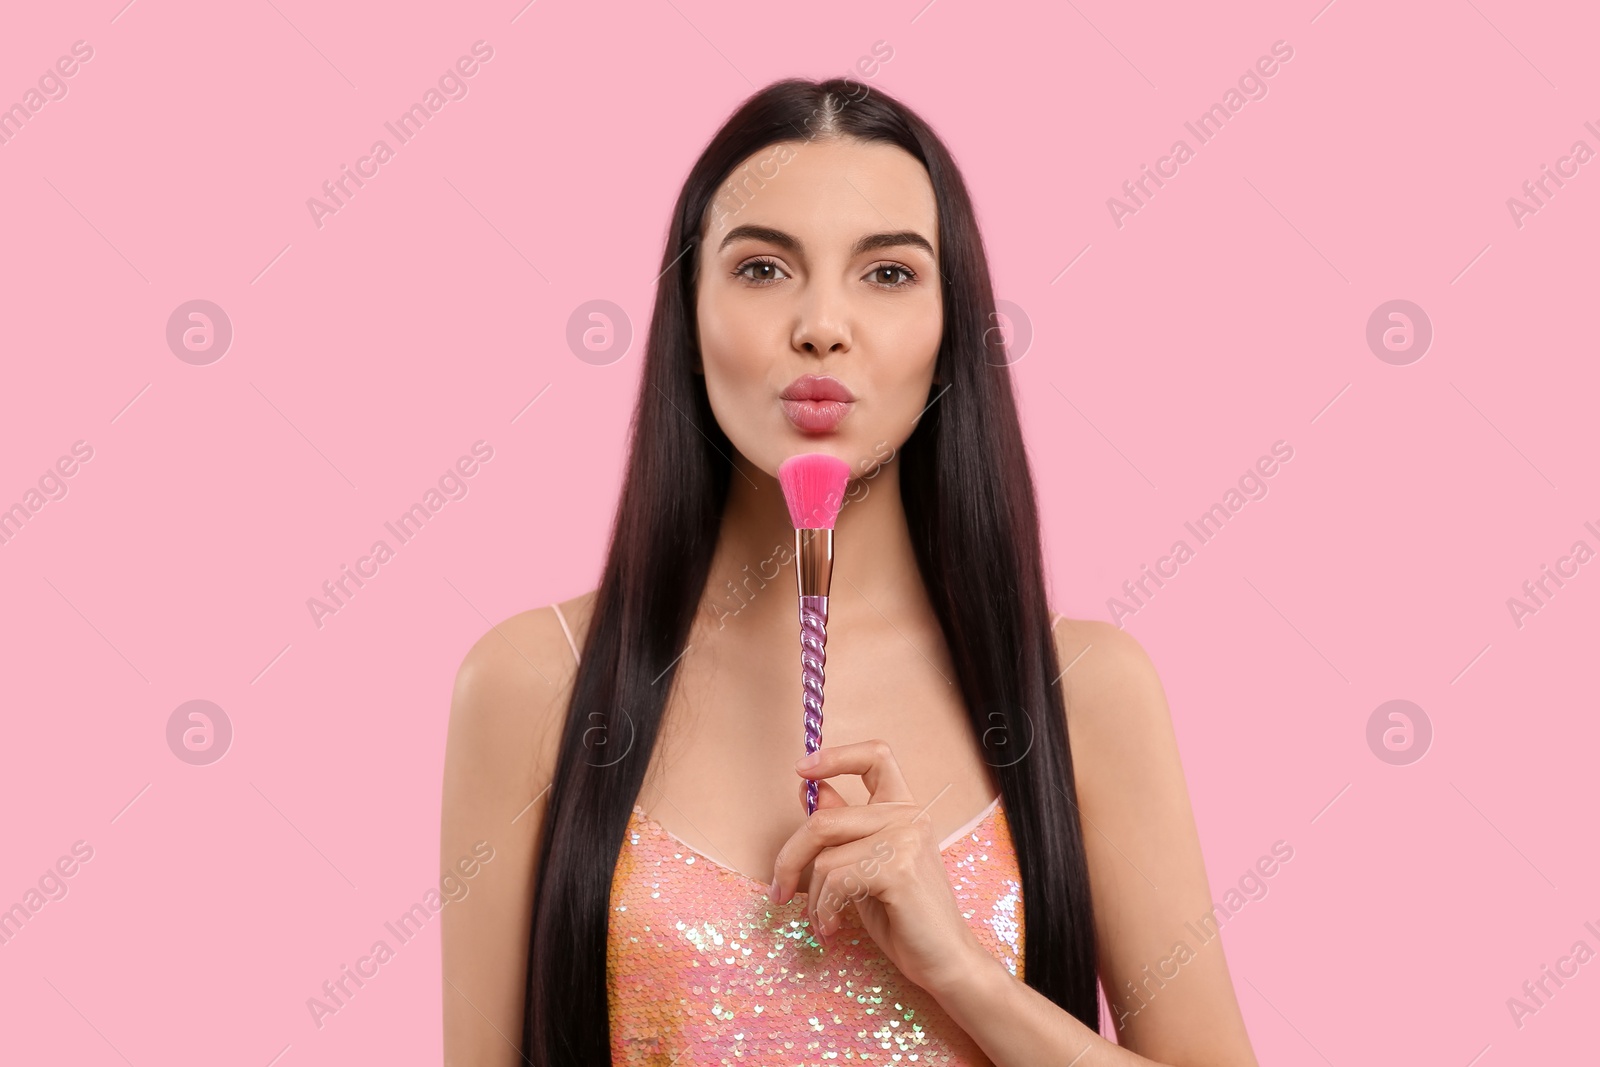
column 813, row 554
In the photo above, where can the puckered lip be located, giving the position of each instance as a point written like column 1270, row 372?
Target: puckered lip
column 817, row 387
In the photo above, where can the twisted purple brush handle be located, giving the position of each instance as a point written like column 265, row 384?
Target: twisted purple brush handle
column 813, row 655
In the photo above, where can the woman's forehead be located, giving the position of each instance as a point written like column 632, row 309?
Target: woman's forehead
column 825, row 194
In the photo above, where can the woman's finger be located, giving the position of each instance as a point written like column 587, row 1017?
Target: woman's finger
column 873, row 760
column 827, row 827
column 842, row 874
column 827, row 796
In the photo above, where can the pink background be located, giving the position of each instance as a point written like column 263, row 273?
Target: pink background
column 368, row 354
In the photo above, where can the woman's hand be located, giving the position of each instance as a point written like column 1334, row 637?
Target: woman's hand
column 883, row 856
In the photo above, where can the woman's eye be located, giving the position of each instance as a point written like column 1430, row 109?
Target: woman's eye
column 772, row 270
column 884, row 276
column 766, row 271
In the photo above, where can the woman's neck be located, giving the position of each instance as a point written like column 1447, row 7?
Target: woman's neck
column 752, row 570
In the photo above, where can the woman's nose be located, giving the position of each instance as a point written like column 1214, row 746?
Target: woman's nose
column 823, row 324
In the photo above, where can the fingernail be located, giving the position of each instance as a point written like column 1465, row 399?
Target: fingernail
column 807, row 762
column 772, row 891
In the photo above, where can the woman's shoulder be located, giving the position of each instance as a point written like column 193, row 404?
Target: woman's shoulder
column 1109, row 679
column 531, row 643
column 1076, row 635
column 512, row 685
column 577, row 613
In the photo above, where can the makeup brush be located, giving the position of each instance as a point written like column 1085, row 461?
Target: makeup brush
column 813, row 486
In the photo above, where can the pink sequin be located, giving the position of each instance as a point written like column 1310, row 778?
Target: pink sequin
column 702, row 969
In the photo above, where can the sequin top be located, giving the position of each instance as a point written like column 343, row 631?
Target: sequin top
column 702, row 969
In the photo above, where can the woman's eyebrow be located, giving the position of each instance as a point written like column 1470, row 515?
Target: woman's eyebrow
column 788, row 241
column 898, row 238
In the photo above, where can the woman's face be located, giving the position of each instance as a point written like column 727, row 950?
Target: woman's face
column 820, row 259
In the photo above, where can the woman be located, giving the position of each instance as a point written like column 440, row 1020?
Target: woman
column 631, row 754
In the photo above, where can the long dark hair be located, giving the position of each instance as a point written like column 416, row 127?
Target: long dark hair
column 969, row 502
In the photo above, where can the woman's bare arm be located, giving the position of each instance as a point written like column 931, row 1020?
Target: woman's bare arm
column 1146, row 871
column 506, row 713
column 1148, row 881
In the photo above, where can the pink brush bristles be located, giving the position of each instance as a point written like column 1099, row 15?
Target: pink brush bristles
column 813, row 487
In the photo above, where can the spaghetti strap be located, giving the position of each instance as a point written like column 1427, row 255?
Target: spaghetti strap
column 1055, row 617
column 566, row 630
